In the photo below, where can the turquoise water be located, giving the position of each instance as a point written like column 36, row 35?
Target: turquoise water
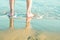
column 49, row 8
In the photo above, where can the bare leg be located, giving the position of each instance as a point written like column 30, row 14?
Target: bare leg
column 11, row 14
column 29, row 14
column 11, row 7
column 29, row 5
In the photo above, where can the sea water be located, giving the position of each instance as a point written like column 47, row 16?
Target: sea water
column 49, row 8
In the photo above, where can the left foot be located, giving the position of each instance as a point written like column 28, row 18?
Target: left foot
column 14, row 16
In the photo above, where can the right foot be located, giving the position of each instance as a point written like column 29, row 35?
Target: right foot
column 29, row 17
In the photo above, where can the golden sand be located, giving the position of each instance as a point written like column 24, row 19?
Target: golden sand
column 24, row 34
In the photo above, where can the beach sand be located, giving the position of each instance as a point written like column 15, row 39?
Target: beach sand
column 21, row 34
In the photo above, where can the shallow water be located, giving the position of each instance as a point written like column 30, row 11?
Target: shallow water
column 49, row 8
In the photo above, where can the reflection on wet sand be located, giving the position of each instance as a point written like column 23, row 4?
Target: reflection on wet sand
column 27, row 33
column 11, row 23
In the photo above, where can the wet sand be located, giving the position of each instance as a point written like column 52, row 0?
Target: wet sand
column 21, row 34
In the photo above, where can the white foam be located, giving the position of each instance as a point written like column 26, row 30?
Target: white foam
column 40, row 17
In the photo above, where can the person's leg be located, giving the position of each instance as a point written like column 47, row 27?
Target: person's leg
column 29, row 14
column 12, row 7
column 11, row 14
column 29, row 5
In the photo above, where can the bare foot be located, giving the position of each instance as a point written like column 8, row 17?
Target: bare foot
column 29, row 17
